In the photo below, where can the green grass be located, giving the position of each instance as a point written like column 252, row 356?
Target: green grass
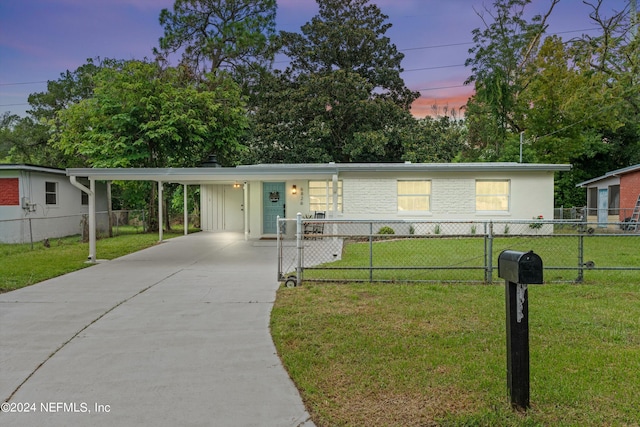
column 468, row 253
column 432, row 354
column 22, row 266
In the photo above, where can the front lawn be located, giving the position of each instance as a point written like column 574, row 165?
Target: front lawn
column 432, row 354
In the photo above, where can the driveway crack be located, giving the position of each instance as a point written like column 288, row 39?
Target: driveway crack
column 84, row 329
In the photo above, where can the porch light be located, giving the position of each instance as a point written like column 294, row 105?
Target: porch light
column 236, row 185
column 294, row 190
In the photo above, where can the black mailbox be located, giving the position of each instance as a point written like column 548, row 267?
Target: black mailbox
column 520, row 267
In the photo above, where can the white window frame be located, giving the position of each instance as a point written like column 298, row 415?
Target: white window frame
column 325, row 202
column 480, row 196
column 53, row 193
column 427, row 195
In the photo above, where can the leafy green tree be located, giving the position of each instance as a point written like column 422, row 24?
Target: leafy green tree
column 341, row 99
column 24, row 140
column 219, row 34
column 502, row 51
column 70, row 88
column 143, row 116
column 323, row 118
column 433, row 140
column 349, row 35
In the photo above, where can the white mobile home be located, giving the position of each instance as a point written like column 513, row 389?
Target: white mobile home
column 37, row 203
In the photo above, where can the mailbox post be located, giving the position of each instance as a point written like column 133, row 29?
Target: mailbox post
column 519, row 269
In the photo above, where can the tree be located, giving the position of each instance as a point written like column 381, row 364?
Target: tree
column 502, row 51
column 219, row 34
column 143, row 116
column 433, row 140
column 24, row 140
column 323, row 118
column 349, row 35
column 70, row 88
column 341, row 99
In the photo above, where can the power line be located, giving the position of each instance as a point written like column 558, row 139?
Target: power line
column 23, row 83
column 399, row 50
column 436, row 46
column 438, row 88
column 434, row 68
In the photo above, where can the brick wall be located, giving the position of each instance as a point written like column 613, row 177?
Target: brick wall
column 453, row 196
column 370, row 196
column 9, row 192
column 629, row 191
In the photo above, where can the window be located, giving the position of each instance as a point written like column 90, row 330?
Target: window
column 84, row 198
column 492, row 195
column 614, row 199
column 592, row 201
column 414, row 196
column 321, row 196
column 51, row 193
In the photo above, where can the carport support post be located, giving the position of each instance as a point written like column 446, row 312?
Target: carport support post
column 186, row 213
column 92, row 220
column 517, row 302
column 298, row 249
column 245, row 208
column 160, row 196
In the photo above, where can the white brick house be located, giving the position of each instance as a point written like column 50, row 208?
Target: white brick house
column 249, row 198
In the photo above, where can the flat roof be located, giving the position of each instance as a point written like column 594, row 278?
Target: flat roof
column 262, row 172
column 32, row 168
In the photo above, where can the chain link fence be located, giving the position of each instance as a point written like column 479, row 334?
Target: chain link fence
column 34, row 228
column 451, row 251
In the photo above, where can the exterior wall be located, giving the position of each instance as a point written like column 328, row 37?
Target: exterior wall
column 369, row 198
column 452, row 196
column 221, row 208
column 42, row 221
column 374, row 196
column 629, row 192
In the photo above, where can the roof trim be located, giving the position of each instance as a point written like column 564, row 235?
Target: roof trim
column 32, row 168
column 610, row 174
column 293, row 171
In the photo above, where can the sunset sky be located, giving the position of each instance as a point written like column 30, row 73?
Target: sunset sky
column 39, row 39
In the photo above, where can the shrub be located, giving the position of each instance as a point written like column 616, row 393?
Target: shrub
column 386, row 230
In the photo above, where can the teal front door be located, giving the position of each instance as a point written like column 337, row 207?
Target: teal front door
column 273, row 205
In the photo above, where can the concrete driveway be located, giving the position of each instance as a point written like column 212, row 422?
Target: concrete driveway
column 175, row 335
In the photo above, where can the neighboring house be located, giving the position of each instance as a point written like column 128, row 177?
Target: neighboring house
column 37, row 203
column 250, row 198
column 613, row 197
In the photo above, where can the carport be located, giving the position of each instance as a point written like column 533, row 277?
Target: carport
column 243, row 177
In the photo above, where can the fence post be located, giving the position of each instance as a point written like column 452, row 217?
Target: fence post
column 489, row 253
column 30, row 234
column 279, row 247
column 581, row 230
column 298, row 249
column 370, row 252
